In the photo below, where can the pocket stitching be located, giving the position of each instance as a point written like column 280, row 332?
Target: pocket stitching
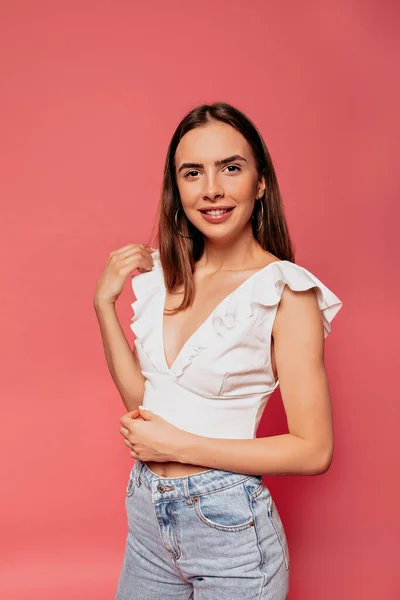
column 203, row 518
column 274, row 524
column 256, row 492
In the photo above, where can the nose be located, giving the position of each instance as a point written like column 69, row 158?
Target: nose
column 213, row 189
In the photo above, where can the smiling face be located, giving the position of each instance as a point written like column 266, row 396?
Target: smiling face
column 215, row 167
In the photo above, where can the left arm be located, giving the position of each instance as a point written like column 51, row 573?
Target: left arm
column 308, row 448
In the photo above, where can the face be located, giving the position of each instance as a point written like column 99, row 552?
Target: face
column 214, row 168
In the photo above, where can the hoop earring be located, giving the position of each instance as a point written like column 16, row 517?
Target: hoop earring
column 190, row 237
column 262, row 215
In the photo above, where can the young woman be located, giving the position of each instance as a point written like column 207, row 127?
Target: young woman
column 222, row 316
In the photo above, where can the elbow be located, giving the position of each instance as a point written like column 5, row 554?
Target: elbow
column 323, row 461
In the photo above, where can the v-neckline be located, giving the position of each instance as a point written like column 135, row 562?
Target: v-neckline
column 205, row 321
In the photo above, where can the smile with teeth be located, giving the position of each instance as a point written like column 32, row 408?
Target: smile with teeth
column 216, row 212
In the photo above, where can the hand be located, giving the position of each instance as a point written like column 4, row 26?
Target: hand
column 150, row 437
column 119, row 265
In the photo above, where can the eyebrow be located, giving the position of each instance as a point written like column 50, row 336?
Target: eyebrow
column 217, row 163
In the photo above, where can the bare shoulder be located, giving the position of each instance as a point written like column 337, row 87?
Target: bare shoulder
column 298, row 314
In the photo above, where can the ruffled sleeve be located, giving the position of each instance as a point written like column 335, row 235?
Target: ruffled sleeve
column 147, row 288
column 268, row 290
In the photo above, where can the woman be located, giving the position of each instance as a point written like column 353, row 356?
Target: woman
column 221, row 311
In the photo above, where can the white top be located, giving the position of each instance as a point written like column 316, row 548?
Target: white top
column 219, row 384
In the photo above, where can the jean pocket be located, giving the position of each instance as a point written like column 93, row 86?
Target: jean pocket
column 277, row 524
column 226, row 509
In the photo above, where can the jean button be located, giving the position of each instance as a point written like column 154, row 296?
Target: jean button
column 161, row 487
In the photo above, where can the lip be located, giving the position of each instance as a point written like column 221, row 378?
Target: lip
column 215, row 208
column 220, row 218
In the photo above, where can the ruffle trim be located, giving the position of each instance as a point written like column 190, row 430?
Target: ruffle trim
column 263, row 287
column 267, row 287
column 147, row 319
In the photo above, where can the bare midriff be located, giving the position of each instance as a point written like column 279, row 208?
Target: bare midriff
column 174, row 469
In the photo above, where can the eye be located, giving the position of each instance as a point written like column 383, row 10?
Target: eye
column 187, row 175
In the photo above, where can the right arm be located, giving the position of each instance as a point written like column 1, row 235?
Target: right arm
column 122, row 362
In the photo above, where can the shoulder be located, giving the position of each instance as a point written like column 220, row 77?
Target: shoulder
column 299, row 296
column 298, row 311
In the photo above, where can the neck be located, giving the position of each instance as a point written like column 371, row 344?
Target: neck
column 228, row 254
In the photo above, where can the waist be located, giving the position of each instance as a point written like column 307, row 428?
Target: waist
column 217, row 417
column 196, row 484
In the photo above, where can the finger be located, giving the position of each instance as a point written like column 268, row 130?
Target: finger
column 122, row 249
column 128, row 249
column 123, row 419
column 126, row 420
column 125, row 432
column 131, row 414
column 138, row 253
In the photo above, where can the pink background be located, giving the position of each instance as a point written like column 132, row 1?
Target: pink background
column 91, row 93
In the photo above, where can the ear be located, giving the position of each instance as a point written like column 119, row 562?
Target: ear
column 261, row 187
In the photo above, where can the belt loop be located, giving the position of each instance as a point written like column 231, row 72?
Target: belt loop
column 139, row 471
column 185, row 485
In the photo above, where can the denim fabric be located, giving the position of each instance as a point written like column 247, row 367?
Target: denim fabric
column 215, row 534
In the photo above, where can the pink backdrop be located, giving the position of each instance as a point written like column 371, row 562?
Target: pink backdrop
column 90, row 95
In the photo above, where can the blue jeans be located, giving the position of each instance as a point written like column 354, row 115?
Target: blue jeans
column 215, row 534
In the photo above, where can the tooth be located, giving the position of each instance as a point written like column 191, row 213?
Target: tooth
column 216, row 212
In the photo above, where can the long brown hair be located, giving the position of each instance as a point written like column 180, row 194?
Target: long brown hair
column 178, row 254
